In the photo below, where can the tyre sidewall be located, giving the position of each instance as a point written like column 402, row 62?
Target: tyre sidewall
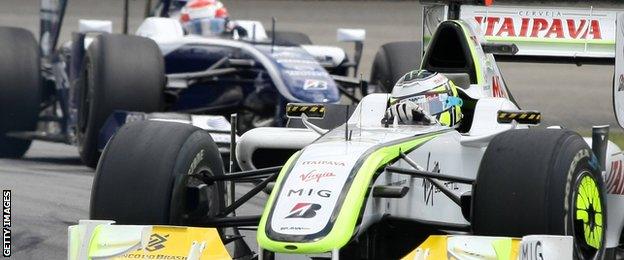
column 572, row 163
column 20, row 88
column 195, row 156
column 380, row 81
column 112, row 82
column 392, row 61
column 144, row 165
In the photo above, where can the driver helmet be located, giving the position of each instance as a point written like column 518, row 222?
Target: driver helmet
column 204, row 17
column 433, row 92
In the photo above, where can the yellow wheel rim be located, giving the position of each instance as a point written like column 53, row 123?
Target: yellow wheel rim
column 589, row 211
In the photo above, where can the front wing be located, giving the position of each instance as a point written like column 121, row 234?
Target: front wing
column 461, row 247
column 92, row 239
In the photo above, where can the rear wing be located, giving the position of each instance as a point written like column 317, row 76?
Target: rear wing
column 618, row 77
column 586, row 31
column 538, row 28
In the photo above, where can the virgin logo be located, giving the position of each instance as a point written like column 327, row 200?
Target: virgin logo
column 315, row 176
column 541, row 27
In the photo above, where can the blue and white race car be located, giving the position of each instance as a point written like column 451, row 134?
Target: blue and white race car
column 81, row 92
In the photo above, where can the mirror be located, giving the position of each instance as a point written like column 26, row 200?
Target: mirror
column 95, row 26
column 351, row 35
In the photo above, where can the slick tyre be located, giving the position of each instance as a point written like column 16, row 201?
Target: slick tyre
column 392, row 61
column 121, row 72
column 20, row 89
column 541, row 181
column 145, row 176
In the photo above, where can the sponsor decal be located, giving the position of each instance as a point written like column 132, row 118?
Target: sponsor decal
column 284, row 54
column 615, row 180
column 536, row 25
column 497, row 90
column 291, row 61
column 6, row 223
column 314, row 84
column 315, row 176
column 296, row 73
column 429, row 189
column 135, row 117
column 309, row 192
column 156, row 242
column 304, row 210
column 398, row 183
column 532, row 251
column 621, row 81
column 475, row 41
column 159, row 256
column 321, row 162
column 294, row 228
column 198, row 158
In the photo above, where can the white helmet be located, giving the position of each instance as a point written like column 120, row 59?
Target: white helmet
column 433, row 92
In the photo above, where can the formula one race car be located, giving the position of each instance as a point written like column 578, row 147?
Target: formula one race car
column 98, row 81
column 366, row 189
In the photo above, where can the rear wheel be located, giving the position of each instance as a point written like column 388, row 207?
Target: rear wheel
column 20, row 89
column 144, row 176
column 541, row 181
column 121, row 72
column 392, row 61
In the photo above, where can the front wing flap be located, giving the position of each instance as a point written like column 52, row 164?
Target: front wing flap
column 92, row 239
column 461, row 247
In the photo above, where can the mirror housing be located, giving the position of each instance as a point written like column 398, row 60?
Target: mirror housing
column 95, row 26
column 350, row 35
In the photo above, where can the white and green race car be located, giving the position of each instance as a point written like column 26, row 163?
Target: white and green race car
column 344, row 184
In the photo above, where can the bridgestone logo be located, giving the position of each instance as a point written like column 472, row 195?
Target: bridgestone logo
column 198, row 158
column 6, row 223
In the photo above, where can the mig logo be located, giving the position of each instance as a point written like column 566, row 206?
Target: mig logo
column 304, row 210
column 156, row 242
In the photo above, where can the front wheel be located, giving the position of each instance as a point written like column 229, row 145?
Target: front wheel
column 541, row 181
column 146, row 176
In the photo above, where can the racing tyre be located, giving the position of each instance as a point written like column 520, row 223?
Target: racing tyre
column 121, row 72
column 392, row 61
column 144, row 176
column 541, row 181
column 291, row 38
column 20, row 88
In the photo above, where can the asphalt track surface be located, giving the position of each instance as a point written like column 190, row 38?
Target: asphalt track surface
column 51, row 189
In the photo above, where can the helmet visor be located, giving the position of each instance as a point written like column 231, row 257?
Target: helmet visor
column 435, row 102
column 206, row 26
